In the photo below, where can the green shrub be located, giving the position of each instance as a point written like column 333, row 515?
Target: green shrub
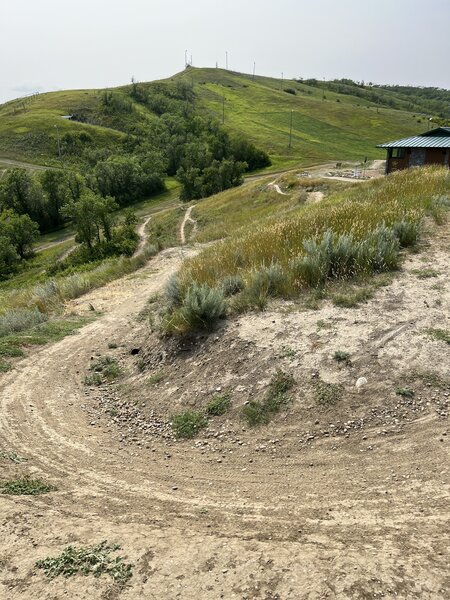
column 378, row 252
column 219, row 405
column 188, row 424
column 407, row 233
column 172, row 292
column 232, row 285
column 18, row 319
column 203, row 306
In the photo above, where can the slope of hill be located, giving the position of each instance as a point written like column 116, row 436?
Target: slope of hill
column 325, row 125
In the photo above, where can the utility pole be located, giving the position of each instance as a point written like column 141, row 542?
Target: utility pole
column 254, row 69
column 282, row 81
column 290, row 130
column 185, row 59
column 323, row 90
column 191, row 60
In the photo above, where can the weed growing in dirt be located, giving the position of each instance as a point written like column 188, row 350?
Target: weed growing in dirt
column 342, row 357
column 4, row 366
column 25, row 487
column 426, row 273
column 405, row 392
column 288, row 352
column 104, row 370
column 156, row 377
column 441, row 335
column 112, row 345
column 321, row 324
column 353, row 299
column 328, row 393
column 219, row 405
column 259, row 412
column 12, row 456
column 188, row 424
column 89, row 560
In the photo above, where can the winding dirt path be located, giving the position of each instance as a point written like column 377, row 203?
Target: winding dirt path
column 266, row 520
column 142, row 233
column 187, row 219
column 274, row 186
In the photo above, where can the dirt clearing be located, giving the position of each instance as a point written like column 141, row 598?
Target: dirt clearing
column 347, row 499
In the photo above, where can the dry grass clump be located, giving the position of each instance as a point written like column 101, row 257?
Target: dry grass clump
column 367, row 224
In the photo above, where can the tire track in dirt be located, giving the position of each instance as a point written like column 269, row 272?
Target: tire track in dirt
column 262, row 529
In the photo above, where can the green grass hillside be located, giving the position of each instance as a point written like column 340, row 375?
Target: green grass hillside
column 326, row 126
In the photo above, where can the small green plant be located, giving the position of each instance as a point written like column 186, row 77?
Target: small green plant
column 353, row 299
column 441, row 335
column 93, row 379
column 426, row 273
column 12, row 456
column 219, row 405
column 105, row 369
column 89, row 560
column 112, row 345
column 321, row 324
column 328, row 393
column 25, row 487
column 342, row 357
column 288, row 352
column 156, row 377
column 5, row 366
column 188, row 424
column 259, row 412
column 405, row 392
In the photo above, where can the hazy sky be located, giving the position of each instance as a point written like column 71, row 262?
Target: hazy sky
column 57, row 44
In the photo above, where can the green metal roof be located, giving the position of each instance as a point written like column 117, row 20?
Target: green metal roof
column 436, row 138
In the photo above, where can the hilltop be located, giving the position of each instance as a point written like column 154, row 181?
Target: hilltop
column 329, row 121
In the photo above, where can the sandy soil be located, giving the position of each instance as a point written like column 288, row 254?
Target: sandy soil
column 187, row 219
column 347, row 501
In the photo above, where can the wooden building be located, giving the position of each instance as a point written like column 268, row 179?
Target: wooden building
column 429, row 148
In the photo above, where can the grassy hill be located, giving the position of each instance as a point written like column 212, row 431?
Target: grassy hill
column 326, row 126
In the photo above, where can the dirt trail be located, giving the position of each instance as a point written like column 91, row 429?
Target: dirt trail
column 142, row 233
column 274, row 186
column 266, row 519
column 187, row 219
column 10, row 163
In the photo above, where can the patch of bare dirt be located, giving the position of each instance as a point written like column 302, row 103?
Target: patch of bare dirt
column 345, row 499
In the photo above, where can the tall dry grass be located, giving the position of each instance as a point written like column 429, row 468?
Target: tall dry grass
column 402, row 198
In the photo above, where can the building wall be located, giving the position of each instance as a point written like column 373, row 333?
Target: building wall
column 417, row 157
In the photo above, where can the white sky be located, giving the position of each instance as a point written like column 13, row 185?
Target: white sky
column 58, row 44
